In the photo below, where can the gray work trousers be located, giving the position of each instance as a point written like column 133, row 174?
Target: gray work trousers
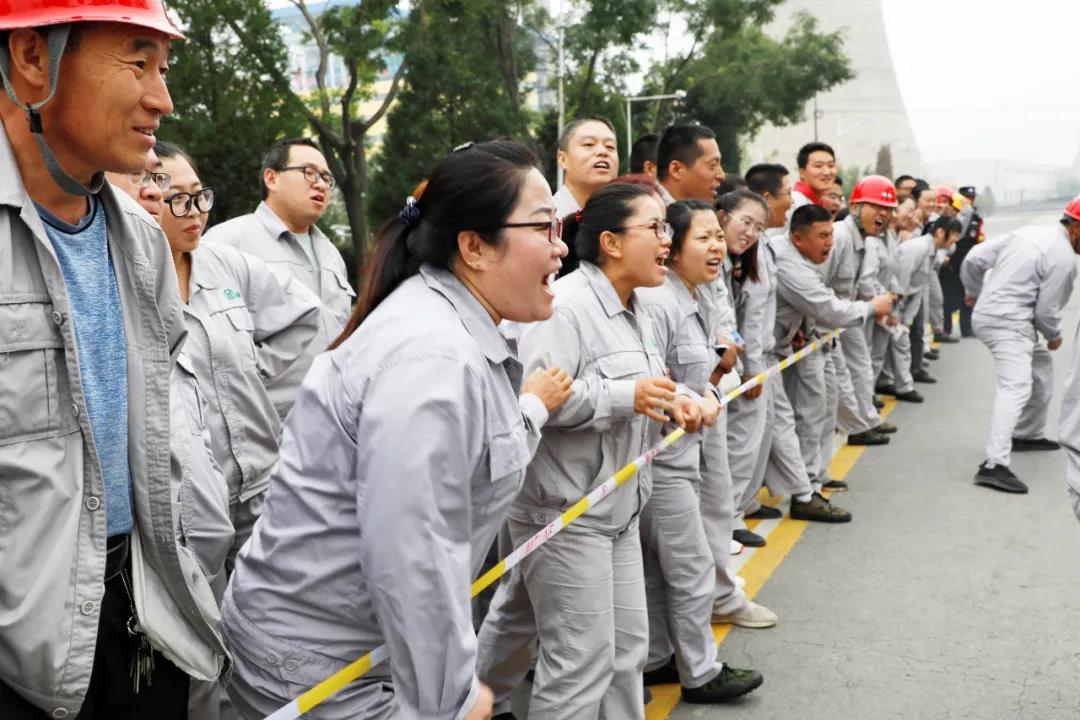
column 588, row 590
column 718, row 513
column 892, row 359
column 746, row 429
column 780, row 463
column 935, row 303
column 1025, row 376
column 680, row 576
column 918, row 338
column 856, row 352
column 804, row 383
column 506, row 642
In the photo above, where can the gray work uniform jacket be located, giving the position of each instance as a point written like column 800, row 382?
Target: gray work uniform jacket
column 605, row 347
column 405, row 447
column 248, row 327
column 802, row 299
column 843, row 269
column 264, row 235
column 755, row 309
column 681, row 327
column 882, row 265
column 205, row 527
column 1034, row 269
column 52, row 497
column 915, row 264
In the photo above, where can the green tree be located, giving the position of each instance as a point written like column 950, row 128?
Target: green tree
column 466, row 62
column 218, row 89
column 986, row 202
column 883, row 165
column 366, row 35
column 738, row 78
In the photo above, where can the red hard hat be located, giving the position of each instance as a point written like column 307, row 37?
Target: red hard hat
column 1073, row 208
column 945, row 193
column 15, row 14
column 875, row 190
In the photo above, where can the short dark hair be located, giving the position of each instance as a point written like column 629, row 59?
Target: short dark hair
column 805, row 216
column 810, row 148
column 277, row 157
column 643, row 149
column 949, row 224
column 680, row 142
column 680, row 215
column 766, row 178
column 902, row 178
column 165, row 149
column 571, row 127
column 731, row 183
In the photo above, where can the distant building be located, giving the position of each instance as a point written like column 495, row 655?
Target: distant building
column 1013, row 182
column 859, row 116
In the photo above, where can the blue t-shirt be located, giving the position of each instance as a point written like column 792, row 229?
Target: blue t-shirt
column 83, row 252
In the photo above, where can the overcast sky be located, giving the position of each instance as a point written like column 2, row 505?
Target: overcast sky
column 989, row 79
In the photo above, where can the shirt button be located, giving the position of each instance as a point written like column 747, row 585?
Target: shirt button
column 291, row 665
column 92, row 503
column 60, row 713
column 271, row 659
column 59, row 320
column 88, row 607
column 75, row 409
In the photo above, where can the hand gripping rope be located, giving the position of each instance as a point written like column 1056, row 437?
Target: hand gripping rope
column 333, row 684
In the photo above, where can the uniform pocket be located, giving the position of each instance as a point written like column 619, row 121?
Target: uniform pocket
column 33, row 375
column 243, row 329
column 623, row 365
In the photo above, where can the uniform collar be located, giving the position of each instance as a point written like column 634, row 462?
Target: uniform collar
column 603, row 289
column 275, row 226
column 198, row 277
column 12, row 191
column 473, row 316
column 666, row 196
column 808, row 192
column 687, row 302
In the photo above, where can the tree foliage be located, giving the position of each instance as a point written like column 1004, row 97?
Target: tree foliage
column 883, row 164
column 227, row 111
column 465, row 67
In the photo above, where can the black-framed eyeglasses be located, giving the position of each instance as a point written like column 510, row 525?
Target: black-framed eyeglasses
column 553, row 226
column 180, row 203
column 145, row 178
column 312, row 175
column 661, row 228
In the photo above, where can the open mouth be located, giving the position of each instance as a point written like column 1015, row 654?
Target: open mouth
column 661, row 260
column 715, row 264
column 319, row 198
column 602, row 165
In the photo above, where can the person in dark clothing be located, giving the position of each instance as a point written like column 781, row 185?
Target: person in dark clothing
column 970, row 236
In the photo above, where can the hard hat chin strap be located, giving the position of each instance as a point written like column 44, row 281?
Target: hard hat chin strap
column 57, row 39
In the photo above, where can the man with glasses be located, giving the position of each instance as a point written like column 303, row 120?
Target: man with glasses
column 146, row 186
column 282, row 232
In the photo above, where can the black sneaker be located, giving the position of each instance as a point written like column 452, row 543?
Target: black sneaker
column 885, row 389
column 1001, row 478
column 765, row 513
column 868, row 437
column 886, row 429
column 947, row 339
column 911, row 396
column 932, row 355
column 818, row 509
column 878, row 404
column 921, row 376
column 728, row 685
column 1032, row 444
column 646, row 696
column 835, row 486
column 508, row 716
column 748, row 538
column 666, row 674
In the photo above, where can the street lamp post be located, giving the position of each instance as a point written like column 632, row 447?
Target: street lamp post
column 677, row 95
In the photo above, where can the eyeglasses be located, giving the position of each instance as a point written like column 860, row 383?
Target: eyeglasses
column 662, row 229
column 180, row 203
column 554, row 227
column 755, row 226
column 312, row 175
column 145, row 178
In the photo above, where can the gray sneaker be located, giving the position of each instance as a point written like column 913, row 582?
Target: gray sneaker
column 1000, row 478
column 818, row 509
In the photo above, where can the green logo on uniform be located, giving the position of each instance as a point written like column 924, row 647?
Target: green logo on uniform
column 231, row 294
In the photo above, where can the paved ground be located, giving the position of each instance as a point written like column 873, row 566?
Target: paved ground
column 942, row 600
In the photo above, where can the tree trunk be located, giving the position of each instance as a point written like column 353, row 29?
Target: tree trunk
column 353, row 190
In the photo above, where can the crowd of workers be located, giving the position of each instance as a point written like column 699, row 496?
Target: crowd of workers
column 223, row 476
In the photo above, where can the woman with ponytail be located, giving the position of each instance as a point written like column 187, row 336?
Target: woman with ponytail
column 404, row 448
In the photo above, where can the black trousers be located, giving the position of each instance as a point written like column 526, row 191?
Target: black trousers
column 112, row 694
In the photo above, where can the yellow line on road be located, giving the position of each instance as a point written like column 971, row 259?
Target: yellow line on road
column 764, row 562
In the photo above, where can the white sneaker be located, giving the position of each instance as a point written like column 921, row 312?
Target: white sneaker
column 751, row 616
column 736, row 547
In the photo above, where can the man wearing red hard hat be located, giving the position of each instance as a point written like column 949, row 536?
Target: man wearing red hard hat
column 102, row 615
column 1034, row 269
